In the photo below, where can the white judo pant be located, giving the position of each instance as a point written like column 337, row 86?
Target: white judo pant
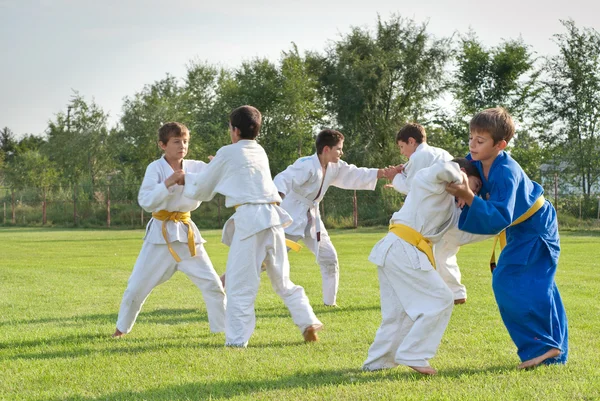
column 416, row 306
column 328, row 262
column 155, row 265
column 243, row 279
column 447, row 267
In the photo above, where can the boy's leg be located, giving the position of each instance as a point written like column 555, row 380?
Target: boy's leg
column 425, row 298
column 154, row 266
column 394, row 326
column 531, row 307
column 243, row 279
column 278, row 270
column 447, row 267
column 328, row 262
column 200, row 270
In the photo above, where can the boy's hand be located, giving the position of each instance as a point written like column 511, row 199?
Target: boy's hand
column 389, row 173
column 462, row 191
column 178, row 177
column 210, row 158
column 400, row 168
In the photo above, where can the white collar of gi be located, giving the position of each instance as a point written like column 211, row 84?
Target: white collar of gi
column 422, row 146
column 246, row 142
column 166, row 164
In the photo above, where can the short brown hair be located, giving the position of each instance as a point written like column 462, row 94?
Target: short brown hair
column 469, row 167
column 411, row 130
column 170, row 130
column 248, row 120
column 328, row 137
column 497, row 122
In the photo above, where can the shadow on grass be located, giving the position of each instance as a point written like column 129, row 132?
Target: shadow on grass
column 227, row 389
column 86, row 240
column 162, row 316
column 177, row 316
column 85, row 345
column 121, row 348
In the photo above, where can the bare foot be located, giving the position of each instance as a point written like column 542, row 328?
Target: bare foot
column 310, row 334
column 460, row 301
column 532, row 363
column 424, row 370
column 118, row 334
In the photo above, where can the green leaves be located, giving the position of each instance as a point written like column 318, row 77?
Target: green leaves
column 570, row 106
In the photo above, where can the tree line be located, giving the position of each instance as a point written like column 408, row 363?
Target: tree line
column 366, row 84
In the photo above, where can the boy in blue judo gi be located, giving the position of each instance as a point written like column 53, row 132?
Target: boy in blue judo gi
column 514, row 207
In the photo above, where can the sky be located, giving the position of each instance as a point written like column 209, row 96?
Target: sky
column 109, row 49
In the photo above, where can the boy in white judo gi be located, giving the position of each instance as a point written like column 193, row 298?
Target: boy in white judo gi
column 412, row 141
column 172, row 241
column 416, row 304
column 255, row 232
column 304, row 184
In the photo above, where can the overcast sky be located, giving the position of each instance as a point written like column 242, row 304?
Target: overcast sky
column 108, row 49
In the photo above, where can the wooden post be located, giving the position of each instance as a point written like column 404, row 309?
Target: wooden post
column 580, row 198
column 44, row 208
column 355, row 210
column 556, row 192
column 74, row 205
column 4, row 213
column 108, row 206
column 142, row 216
column 14, row 216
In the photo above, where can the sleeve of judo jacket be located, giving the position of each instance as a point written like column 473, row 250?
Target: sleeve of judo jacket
column 202, row 186
column 417, row 162
column 352, row 177
column 153, row 192
column 495, row 214
column 294, row 176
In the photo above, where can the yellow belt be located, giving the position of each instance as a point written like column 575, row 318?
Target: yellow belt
column 537, row 205
column 415, row 238
column 288, row 242
column 185, row 218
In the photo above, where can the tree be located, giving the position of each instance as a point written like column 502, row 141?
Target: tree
column 77, row 142
column 571, row 104
column 297, row 114
column 287, row 96
column 208, row 123
column 31, row 169
column 373, row 83
column 503, row 75
column 8, row 143
column 136, row 141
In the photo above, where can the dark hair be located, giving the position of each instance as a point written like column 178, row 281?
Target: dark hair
column 328, row 137
column 497, row 122
column 170, row 130
column 469, row 167
column 411, row 130
column 248, row 120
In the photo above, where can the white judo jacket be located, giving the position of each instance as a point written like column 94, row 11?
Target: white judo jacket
column 304, row 187
column 428, row 209
column 423, row 157
column 155, row 196
column 241, row 172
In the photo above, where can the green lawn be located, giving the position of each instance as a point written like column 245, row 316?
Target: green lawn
column 60, row 291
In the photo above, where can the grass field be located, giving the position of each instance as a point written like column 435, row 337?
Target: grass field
column 60, row 291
